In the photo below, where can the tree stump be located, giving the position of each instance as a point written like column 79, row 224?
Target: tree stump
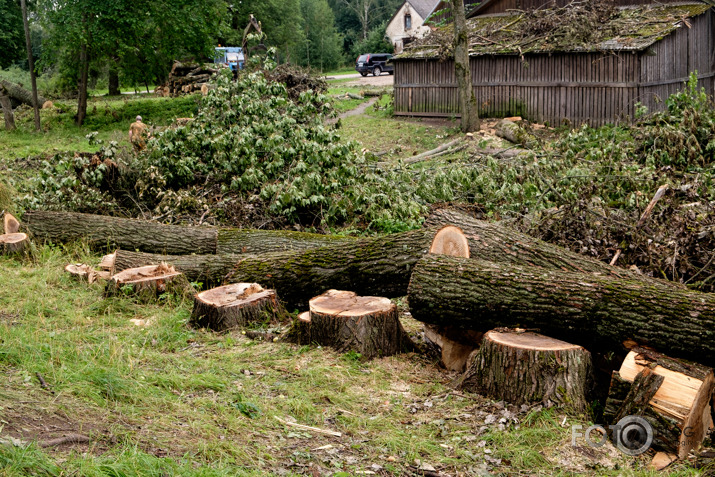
column 368, row 325
column 236, row 305
column 10, row 224
column 299, row 332
column 86, row 273
column 11, row 244
column 672, row 395
column 450, row 240
column 147, row 283
column 525, row 367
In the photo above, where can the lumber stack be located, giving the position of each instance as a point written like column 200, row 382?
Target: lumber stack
column 187, row 78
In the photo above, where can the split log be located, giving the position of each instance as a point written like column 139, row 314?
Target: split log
column 147, row 283
column 86, row 273
column 116, row 232
column 379, row 266
column 596, row 312
column 153, row 237
column 525, row 367
column 500, row 244
column 672, row 395
column 236, row 305
column 12, row 244
column 10, row 224
column 516, row 134
column 18, row 93
column 368, row 325
column 107, row 263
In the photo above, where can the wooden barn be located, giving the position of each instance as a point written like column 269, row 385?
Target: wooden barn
column 585, row 62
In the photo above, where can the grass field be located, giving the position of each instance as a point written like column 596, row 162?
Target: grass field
column 159, row 398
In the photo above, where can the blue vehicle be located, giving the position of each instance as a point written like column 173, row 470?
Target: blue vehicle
column 231, row 56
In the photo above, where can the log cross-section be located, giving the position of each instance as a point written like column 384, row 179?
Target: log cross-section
column 147, row 283
column 12, row 244
column 236, row 305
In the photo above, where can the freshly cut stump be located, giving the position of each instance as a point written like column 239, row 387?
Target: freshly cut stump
column 10, row 224
column 368, row 325
column 11, row 244
column 525, row 367
column 236, row 305
column 148, row 282
column 84, row 272
column 450, row 240
column 673, row 395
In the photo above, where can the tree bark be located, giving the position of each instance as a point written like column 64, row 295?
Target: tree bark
column 512, row 132
column 113, row 232
column 527, row 367
column 31, row 65
column 462, row 71
column 256, row 242
column 494, row 242
column 378, row 266
column 147, row 283
column 209, row 269
column 597, row 312
column 673, row 396
column 113, row 82
column 83, row 79
column 364, row 324
column 6, row 106
column 235, row 306
column 18, row 93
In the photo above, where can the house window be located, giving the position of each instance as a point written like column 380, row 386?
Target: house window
column 408, row 21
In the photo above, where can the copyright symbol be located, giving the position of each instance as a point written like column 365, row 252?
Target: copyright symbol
column 633, row 435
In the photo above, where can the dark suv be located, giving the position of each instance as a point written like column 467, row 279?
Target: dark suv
column 374, row 63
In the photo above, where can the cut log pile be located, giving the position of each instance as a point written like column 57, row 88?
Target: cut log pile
column 187, row 78
column 535, row 311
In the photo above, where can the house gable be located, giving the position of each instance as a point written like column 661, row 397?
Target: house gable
column 408, row 22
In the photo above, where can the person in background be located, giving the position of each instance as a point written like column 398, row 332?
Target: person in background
column 138, row 133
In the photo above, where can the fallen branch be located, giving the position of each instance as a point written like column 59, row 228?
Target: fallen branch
column 309, row 428
column 658, row 195
column 432, row 152
column 43, row 383
column 68, row 439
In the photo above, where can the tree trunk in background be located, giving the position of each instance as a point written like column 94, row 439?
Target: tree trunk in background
column 84, row 73
column 596, row 312
column 114, row 82
column 31, row 64
column 6, row 105
column 18, row 93
column 467, row 100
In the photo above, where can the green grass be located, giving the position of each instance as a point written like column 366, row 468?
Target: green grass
column 344, row 70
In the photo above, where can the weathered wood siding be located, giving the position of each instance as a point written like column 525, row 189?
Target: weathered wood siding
column 592, row 88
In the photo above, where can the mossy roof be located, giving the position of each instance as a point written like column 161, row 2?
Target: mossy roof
column 569, row 29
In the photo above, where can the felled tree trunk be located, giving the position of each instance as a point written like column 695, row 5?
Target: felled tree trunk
column 18, row 93
column 597, row 312
column 152, row 237
column 368, row 325
column 208, row 269
column 514, row 133
column 147, row 283
column 673, row 396
column 378, row 266
column 13, row 244
column 524, row 367
column 494, row 242
column 236, row 305
column 6, row 106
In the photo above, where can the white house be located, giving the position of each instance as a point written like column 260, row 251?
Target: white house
column 408, row 22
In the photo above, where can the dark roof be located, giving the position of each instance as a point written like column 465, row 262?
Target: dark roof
column 423, row 7
column 469, row 6
column 573, row 29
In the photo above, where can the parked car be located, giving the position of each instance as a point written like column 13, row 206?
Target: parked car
column 374, row 64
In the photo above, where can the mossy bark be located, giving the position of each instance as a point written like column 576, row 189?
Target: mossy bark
column 266, row 241
column 594, row 311
column 504, row 370
column 208, row 269
column 378, row 266
column 463, row 73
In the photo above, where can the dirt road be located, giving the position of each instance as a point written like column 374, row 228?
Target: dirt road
column 384, row 79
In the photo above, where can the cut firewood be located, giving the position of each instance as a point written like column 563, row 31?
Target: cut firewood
column 368, row 325
column 11, row 244
column 236, row 305
column 147, row 283
column 526, row 367
column 11, row 224
column 450, row 240
column 672, row 395
column 597, row 312
column 107, row 262
column 86, row 273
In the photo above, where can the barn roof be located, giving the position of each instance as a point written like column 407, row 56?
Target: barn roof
column 423, row 7
column 587, row 27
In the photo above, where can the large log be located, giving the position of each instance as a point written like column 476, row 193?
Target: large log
column 18, row 93
column 208, row 269
column 149, row 236
column 113, row 232
column 148, row 283
column 597, row 312
column 494, row 242
column 378, row 266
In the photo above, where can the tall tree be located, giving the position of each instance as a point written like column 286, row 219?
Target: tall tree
column 11, row 39
column 321, row 48
column 467, row 99
column 31, row 64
